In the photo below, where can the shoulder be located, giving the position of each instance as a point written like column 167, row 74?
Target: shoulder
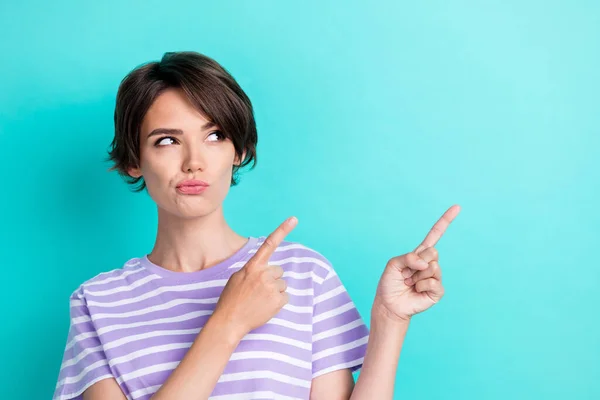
column 297, row 255
column 107, row 279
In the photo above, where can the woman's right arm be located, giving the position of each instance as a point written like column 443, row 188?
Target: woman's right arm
column 251, row 297
column 192, row 379
column 197, row 374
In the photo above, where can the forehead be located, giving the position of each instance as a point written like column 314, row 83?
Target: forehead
column 172, row 109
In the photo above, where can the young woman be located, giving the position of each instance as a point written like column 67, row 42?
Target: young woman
column 211, row 313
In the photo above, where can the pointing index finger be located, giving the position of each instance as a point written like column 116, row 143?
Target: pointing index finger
column 273, row 240
column 439, row 228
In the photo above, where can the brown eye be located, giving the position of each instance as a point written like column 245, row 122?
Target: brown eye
column 218, row 134
column 157, row 143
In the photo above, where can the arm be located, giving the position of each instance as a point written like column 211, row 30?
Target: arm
column 251, row 297
column 191, row 379
column 336, row 385
column 376, row 379
column 411, row 283
column 378, row 374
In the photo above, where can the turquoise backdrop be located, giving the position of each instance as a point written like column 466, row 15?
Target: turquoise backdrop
column 374, row 118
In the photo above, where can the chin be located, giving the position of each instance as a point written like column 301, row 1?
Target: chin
column 189, row 211
column 193, row 216
column 185, row 206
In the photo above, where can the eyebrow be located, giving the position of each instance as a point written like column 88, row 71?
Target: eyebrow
column 171, row 131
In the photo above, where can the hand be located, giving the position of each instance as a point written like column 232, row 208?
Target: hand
column 256, row 292
column 412, row 282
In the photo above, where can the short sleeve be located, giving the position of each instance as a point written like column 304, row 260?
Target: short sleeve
column 84, row 362
column 340, row 335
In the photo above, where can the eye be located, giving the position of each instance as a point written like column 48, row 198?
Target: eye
column 157, row 143
column 219, row 134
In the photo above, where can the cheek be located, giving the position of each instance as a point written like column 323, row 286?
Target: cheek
column 219, row 163
column 227, row 168
column 157, row 169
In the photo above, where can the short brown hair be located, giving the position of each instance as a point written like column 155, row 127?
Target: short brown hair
column 208, row 86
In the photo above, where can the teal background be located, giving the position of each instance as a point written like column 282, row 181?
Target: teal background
column 373, row 119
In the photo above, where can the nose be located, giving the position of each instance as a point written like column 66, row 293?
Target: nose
column 193, row 160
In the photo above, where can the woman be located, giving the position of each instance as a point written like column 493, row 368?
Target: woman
column 209, row 312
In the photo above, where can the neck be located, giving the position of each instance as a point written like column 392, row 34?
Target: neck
column 192, row 244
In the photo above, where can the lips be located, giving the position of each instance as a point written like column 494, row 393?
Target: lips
column 192, row 186
column 191, row 189
column 192, row 182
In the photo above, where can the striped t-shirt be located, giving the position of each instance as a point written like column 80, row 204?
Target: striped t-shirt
column 136, row 323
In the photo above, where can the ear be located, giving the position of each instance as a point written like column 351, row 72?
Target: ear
column 237, row 160
column 134, row 172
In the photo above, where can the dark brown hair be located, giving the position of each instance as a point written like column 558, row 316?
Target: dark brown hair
column 208, row 86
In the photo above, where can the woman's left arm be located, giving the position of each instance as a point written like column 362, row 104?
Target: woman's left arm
column 411, row 283
column 376, row 380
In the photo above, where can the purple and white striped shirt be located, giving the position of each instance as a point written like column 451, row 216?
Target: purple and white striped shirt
column 136, row 323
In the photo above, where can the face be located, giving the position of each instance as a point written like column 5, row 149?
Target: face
column 178, row 143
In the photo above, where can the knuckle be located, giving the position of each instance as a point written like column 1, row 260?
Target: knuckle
column 412, row 257
column 248, row 267
column 415, row 261
column 397, row 260
column 272, row 293
column 419, row 286
column 390, row 263
column 433, row 283
column 277, row 270
column 430, row 270
column 269, row 242
column 238, row 275
column 265, row 276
